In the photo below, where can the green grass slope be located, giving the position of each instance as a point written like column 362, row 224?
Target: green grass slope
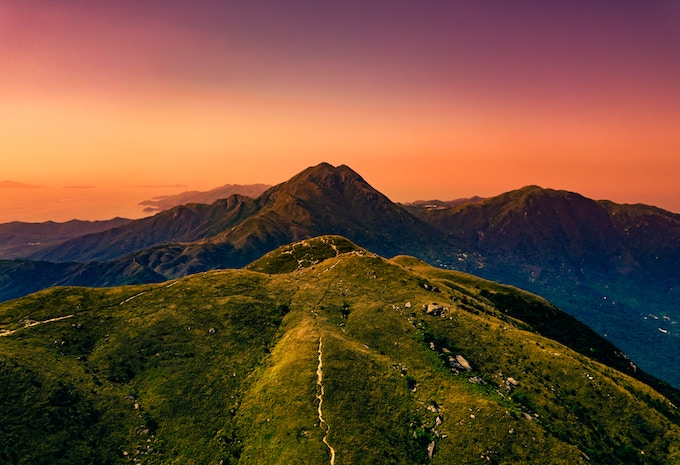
column 326, row 358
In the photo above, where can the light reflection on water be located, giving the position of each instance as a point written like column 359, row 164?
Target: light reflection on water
column 82, row 203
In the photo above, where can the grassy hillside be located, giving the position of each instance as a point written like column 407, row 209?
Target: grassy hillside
column 238, row 366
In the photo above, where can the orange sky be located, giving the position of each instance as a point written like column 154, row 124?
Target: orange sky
column 443, row 101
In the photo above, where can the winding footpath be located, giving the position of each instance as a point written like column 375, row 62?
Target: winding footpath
column 319, row 382
column 34, row 323
column 137, row 295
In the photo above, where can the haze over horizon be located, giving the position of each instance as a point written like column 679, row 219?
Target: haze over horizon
column 438, row 100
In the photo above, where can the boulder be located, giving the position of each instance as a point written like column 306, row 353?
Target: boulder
column 435, row 309
column 510, row 383
column 463, row 363
column 477, row 380
column 430, row 449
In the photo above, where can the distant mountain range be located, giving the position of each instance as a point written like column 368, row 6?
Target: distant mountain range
column 166, row 202
column 615, row 267
column 442, row 204
column 321, row 352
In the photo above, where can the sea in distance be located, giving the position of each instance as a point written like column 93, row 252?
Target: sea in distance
column 39, row 204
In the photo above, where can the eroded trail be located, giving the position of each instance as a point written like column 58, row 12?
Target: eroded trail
column 34, row 323
column 137, row 295
column 319, row 382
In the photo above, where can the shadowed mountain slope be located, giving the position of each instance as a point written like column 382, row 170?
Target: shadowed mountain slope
column 183, row 223
column 21, row 277
column 347, row 356
column 567, row 233
column 19, row 239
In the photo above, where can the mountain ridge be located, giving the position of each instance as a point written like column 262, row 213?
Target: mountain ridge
column 319, row 200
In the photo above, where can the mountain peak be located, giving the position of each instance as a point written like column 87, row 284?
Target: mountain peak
column 325, row 199
column 533, row 191
column 326, row 183
column 324, row 171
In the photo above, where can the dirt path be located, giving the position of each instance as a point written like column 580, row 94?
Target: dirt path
column 319, row 382
column 34, row 323
column 135, row 296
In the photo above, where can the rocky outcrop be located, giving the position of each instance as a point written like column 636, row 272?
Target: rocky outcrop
column 434, row 309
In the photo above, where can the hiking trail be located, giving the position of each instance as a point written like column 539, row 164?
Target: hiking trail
column 319, row 382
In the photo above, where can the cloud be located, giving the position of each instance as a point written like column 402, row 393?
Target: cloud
column 151, row 186
column 17, row 185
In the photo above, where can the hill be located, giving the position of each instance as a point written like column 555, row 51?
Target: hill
column 337, row 355
column 567, row 233
column 441, row 204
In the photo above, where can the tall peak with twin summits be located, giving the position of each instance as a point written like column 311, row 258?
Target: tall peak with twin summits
column 325, row 199
column 326, row 183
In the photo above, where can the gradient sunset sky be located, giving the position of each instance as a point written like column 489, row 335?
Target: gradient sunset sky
column 425, row 99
